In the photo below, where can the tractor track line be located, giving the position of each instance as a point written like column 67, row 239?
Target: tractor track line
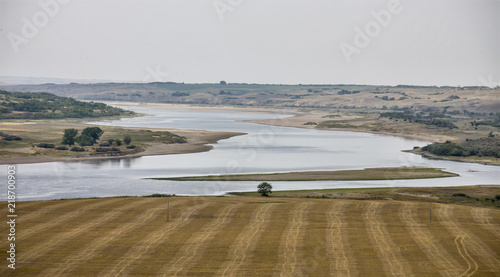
column 443, row 261
column 480, row 215
column 289, row 263
column 82, row 228
column 98, row 244
column 66, row 217
column 388, row 252
column 335, row 237
column 477, row 247
column 142, row 247
column 459, row 241
column 243, row 243
column 200, row 239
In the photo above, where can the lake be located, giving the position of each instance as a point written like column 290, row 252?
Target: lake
column 265, row 149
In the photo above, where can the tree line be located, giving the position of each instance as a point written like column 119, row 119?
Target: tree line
column 44, row 105
column 483, row 147
column 419, row 118
column 89, row 136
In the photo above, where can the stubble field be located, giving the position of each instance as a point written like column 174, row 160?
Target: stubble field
column 249, row 236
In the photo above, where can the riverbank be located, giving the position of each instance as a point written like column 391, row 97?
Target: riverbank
column 148, row 142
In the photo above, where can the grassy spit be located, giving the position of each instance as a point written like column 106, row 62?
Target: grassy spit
column 392, row 173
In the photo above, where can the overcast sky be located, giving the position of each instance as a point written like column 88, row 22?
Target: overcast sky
column 252, row 41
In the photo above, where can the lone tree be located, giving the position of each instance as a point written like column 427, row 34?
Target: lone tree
column 69, row 136
column 89, row 136
column 264, row 189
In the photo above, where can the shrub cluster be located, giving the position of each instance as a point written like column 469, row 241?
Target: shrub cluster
column 9, row 137
column 160, row 195
column 488, row 147
column 172, row 138
column 420, row 118
column 77, row 149
column 344, row 92
column 106, row 150
column 45, row 145
column 179, row 94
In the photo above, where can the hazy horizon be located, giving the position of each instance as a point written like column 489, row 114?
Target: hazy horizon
column 441, row 43
column 23, row 80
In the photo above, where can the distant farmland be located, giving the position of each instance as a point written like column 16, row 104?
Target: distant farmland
column 248, row 236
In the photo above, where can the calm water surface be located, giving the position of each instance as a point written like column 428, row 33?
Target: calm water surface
column 265, row 149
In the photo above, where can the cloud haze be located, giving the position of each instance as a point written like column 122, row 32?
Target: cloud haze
column 253, row 41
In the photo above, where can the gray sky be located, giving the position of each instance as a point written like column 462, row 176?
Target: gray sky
column 270, row 41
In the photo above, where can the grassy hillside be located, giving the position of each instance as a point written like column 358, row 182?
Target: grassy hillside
column 474, row 99
column 43, row 105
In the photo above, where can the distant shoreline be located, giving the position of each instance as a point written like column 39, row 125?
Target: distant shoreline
column 295, row 120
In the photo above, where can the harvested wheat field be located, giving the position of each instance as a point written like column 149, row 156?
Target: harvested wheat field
column 248, row 236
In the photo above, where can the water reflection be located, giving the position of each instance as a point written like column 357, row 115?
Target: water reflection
column 109, row 163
